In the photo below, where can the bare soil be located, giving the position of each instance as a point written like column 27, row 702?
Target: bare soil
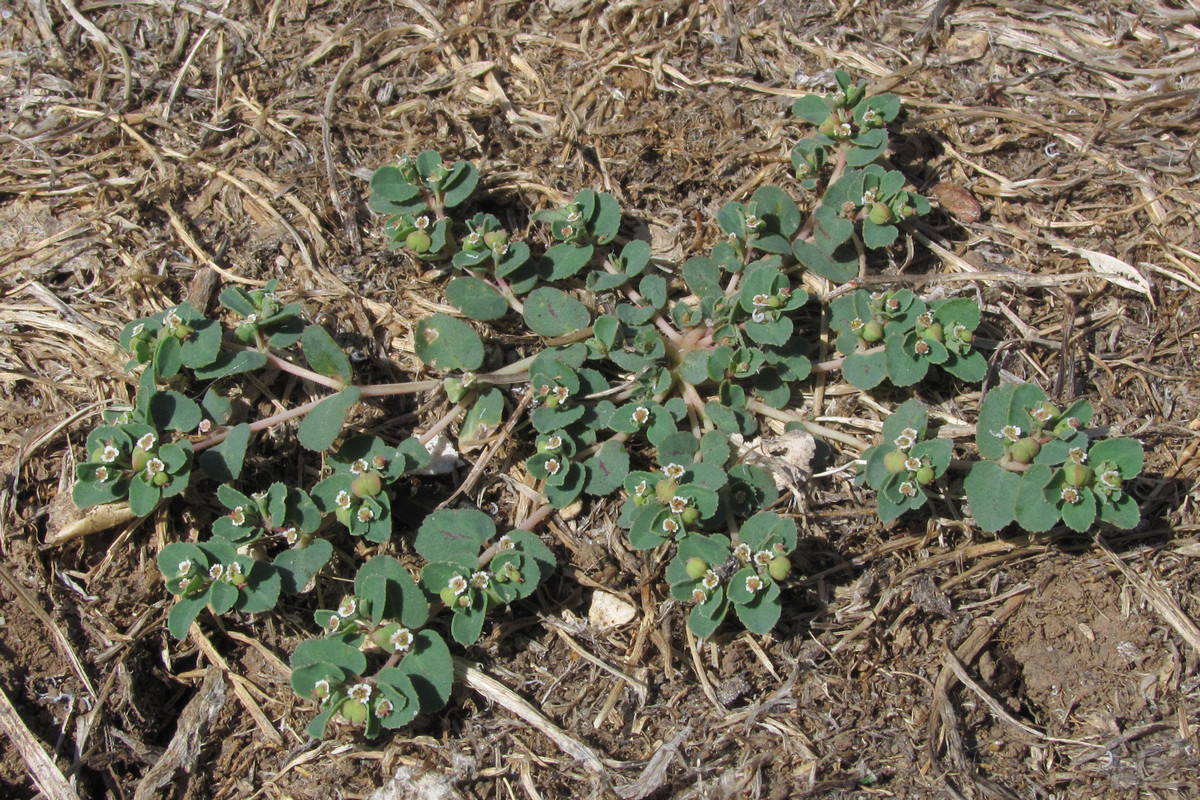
column 151, row 151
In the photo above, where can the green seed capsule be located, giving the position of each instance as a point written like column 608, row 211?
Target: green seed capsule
column 872, row 331
column 696, row 568
column 880, row 214
column 894, row 461
column 354, row 711
column 160, row 479
column 779, row 567
column 925, row 475
column 690, row 515
column 139, row 459
column 1025, row 450
column 418, row 241
column 368, row 484
column 934, row 332
column 666, row 489
column 1077, row 474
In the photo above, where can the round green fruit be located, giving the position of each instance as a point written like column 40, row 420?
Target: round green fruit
column 872, row 331
column 880, row 214
column 779, row 567
column 894, row 461
column 354, row 711
column 934, row 332
column 696, row 568
column 139, row 459
column 689, row 516
column 1077, row 474
column 368, row 484
column 665, row 489
column 492, row 238
column 160, row 479
column 418, row 241
column 925, row 475
column 1025, row 450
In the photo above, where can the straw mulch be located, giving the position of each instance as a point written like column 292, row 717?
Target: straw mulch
column 155, row 150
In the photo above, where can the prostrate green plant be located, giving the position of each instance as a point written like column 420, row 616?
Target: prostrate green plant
column 276, row 541
column 646, row 387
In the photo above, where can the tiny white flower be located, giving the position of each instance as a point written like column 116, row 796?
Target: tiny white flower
column 321, row 688
column 109, row 454
column 481, row 579
column 908, row 489
column 216, row 571
column 154, row 466
column 401, row 640
column 147, row 442
column 674, row 471
column 640, row 489
column 232, row 571
column 1041, row 413
column 710, row 580
column 365, row 514
column 912, row 464
column 640, row 415
column 184, row 567
column 763, row 557
column 384, row 707
column 505, row 542
column 554, row 442
column 758, row 315
column 458, row 584
column 678, row 504
column 742, row 551
column 699, row 595
column 238, row 517
column 359, row 467
column 342, row 499
column 360, row 692
column 347, row 607
column 205, row 426
column 100, row 473
column 290, row 535
column 753, row 584
column 1070, row 494
column 553, row 465
column 670, row 525
column 561, row 393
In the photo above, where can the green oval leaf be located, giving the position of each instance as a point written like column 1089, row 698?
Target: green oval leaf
column 443, row 342
column 552, row 312
column 323, row 424
column 324, row 355
column 476, row 298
